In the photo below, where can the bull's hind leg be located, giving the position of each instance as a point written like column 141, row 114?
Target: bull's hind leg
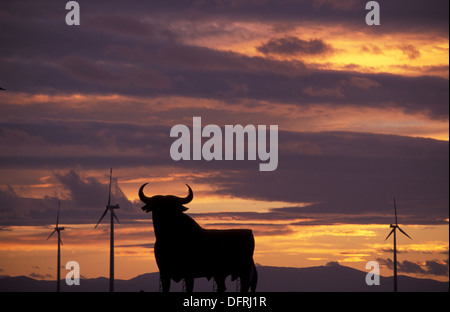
column 164, row 282
column 249, row 279
column 253, row 278
column 245, row 283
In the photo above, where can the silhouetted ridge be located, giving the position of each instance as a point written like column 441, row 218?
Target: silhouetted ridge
column 330, row 278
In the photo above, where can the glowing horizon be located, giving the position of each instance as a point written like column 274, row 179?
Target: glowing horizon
column 362, row 115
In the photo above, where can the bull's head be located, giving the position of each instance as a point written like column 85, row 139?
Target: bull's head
column 166, row 202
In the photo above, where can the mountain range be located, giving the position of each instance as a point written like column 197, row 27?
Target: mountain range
column 328, row 278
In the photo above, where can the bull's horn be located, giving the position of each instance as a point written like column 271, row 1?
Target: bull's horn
column 143, row 198
column 188, row 198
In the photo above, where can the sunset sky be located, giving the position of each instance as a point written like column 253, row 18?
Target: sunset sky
column 362, row 113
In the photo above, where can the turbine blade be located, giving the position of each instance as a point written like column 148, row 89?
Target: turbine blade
column 109, row 195
column 114, row 215
column 103, row 215
column 390, row 234
column 395, row 209
column 57, row 216
column 404, row 233
column 51, row 234
column 60, row 240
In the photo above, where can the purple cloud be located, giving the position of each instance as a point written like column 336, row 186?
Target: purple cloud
column 290, row 45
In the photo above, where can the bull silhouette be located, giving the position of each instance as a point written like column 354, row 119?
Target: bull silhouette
column 185, row 250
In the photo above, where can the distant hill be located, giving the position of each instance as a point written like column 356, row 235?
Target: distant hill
column 330, row 278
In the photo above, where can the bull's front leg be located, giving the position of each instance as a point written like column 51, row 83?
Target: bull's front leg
column 220, row 281
column 189, row 284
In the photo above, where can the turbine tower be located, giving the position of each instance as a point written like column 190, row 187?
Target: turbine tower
column 58, row 229
column 394, row 228
column 111, row 248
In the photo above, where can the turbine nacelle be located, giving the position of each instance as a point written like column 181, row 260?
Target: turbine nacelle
column 57, row 228
column 109, row 206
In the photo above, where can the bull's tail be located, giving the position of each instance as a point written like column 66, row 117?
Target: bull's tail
column 253, row 277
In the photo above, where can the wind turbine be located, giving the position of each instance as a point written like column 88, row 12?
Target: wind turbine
column 58, row 229
column 111, row 248
column 394, row 228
